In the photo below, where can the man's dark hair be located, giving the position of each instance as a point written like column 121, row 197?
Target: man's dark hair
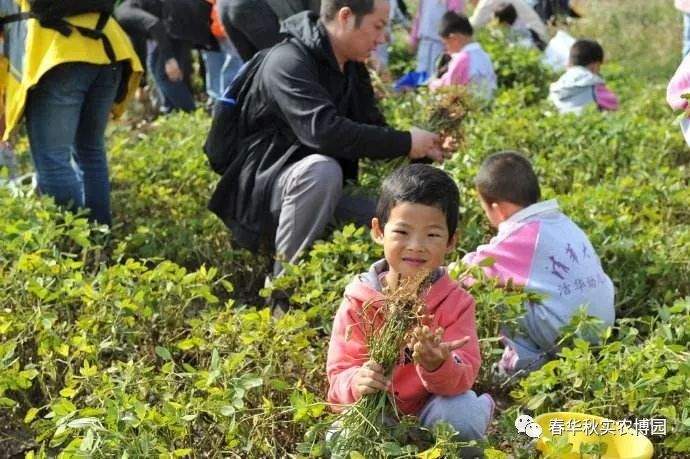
column 506, row 14
column 420, row 184
column 360, row 8
column 452, row 22
column 585, row 52
column 508, row 176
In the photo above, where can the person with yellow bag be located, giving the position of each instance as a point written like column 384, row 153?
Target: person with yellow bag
column 64, row 66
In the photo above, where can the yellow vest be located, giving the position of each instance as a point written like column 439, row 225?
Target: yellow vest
column 29, row 51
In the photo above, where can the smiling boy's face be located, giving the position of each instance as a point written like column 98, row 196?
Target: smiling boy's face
column 415, row 238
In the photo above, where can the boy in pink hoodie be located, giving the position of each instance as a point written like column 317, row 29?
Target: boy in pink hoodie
column 416, row 221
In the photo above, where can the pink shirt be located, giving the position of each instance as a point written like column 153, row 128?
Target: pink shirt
column 452, row 308
column 471, row 66
column 679, row 85
column 683, row 5
column 605, row 98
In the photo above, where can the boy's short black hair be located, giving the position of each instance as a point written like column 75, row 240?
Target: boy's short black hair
column 420, row 184
column 506, row 14
column 507, row 176
column 360, row 8
column 585, row 52
column 452, row 22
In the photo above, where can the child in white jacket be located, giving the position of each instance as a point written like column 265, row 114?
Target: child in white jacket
column 582, row 85
column 540, row 248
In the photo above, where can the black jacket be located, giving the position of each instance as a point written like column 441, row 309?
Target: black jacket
column 165, row 21
column 299, row 103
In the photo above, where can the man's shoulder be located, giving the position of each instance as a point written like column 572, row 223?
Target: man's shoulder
column 289, row 54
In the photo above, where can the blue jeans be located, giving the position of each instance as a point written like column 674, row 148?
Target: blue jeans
column 221, row 68
column 66, row 116
column 174, row 95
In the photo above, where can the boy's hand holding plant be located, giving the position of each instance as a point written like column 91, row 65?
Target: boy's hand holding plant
column 429, row 349
column 369, row 379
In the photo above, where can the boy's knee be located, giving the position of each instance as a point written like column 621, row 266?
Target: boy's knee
column 467, row 413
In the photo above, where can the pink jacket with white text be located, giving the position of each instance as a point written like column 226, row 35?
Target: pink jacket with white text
column 543, row 250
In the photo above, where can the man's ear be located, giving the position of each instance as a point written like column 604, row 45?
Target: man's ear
column 376, row 231
column 345, row 15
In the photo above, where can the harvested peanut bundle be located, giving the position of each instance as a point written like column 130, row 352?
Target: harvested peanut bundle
column 445, row 109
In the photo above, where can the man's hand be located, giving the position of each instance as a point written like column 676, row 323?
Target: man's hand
column 425, row 144
column 369, row 379
column 429, row 350
column 173, row 71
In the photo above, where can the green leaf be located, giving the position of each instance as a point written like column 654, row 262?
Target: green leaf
column 163, row 353
column 31, row 415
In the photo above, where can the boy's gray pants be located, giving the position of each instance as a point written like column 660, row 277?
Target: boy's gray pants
column 306, row 196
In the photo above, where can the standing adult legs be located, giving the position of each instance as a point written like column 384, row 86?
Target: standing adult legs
column 53, row 111
column 175, row 95
column 90, row 140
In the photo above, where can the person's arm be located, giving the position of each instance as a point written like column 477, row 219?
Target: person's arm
column 347, row 353
column 483, row 13
column 678, row 86
column 459, row 371
column 512, row 254
column 605, row 98
column 291, row 80
column 134, row 19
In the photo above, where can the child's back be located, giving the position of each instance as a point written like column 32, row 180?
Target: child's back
column 546, row 252
column 540, row 248
column 581, row 85
column 577, row 88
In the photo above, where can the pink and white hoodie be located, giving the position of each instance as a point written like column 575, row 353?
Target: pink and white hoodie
column 679, row 86
column 452, row 308
column 472, row 67
column 543, row 250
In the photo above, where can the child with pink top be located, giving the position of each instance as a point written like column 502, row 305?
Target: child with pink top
column 424, row 34
column 679, row 86
column 469, row 65
column 540, row 248
column 416, row 221
column 582, row 85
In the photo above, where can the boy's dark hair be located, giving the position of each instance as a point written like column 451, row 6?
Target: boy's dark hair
column 330, row 8
column 508, row 176
column 506, row 14
column 585, row 52
column 452, row 22
column 420, row 184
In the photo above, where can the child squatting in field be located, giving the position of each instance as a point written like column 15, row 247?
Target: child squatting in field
column 540, row 248
column 582, row 85
column 468, row 64
column 416, row 221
